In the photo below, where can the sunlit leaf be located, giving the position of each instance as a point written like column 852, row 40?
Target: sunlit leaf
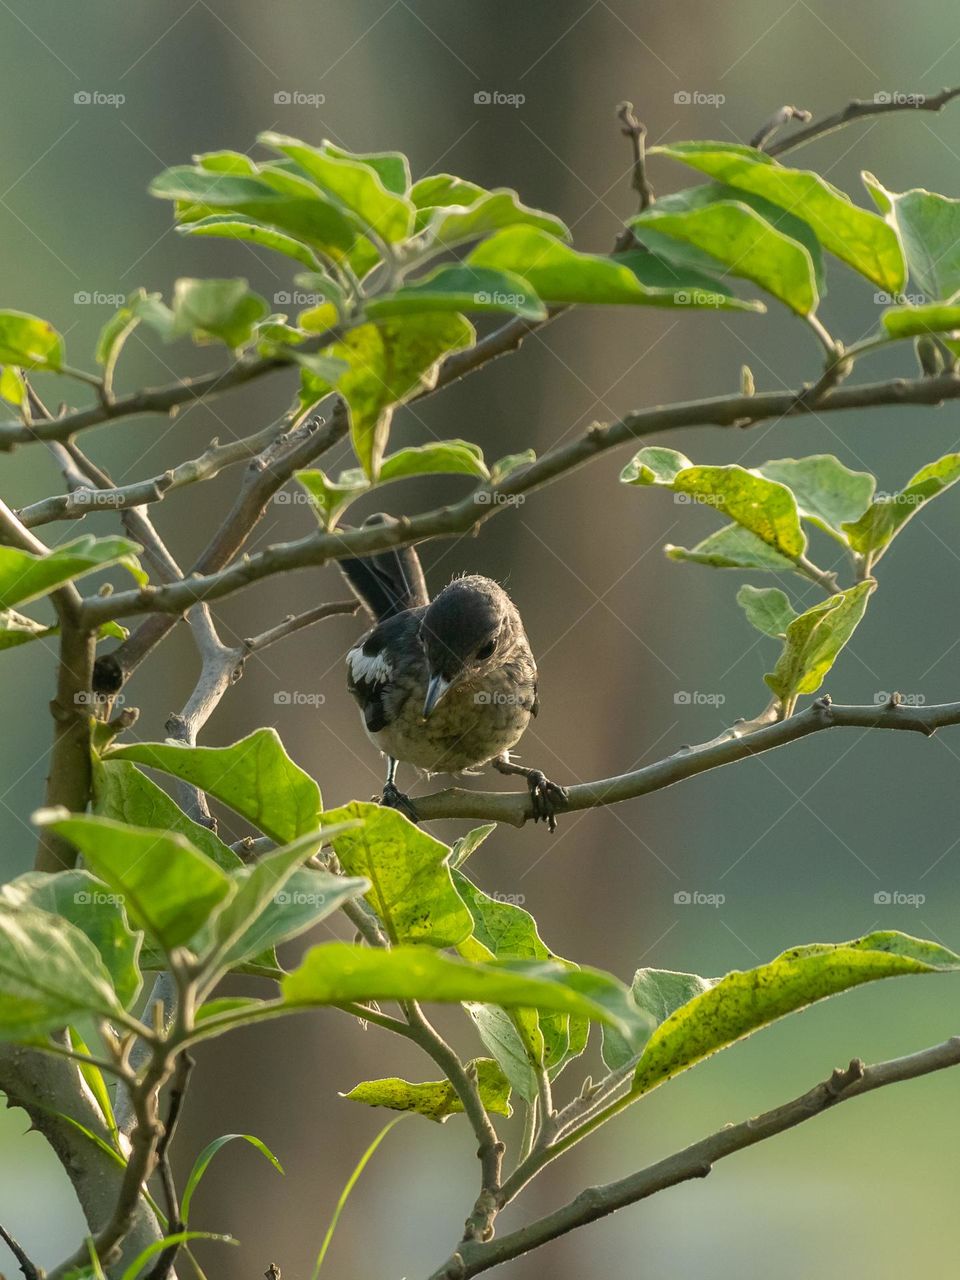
column 436, row 1099
column 25, row 576
column 29, row 342
column 814, row 639
column 767, row 608
column 885, row 517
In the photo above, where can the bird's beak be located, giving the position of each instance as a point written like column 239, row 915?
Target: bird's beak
column 435, row 691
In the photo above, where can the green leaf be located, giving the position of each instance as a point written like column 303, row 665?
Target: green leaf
column 660, row 992
column 226, row 162
column 742, row 1002
column 814, row 639
column 25, row 576
column 467, row 845
column 734, row 234
column 763, row 507
column 253, row 919
column 125, row 794
column 440, row 190
column 29, row 342
column 560, row 275
column 329, row 497
column 856, row 236
column 11, row 385
column 336, row 973
column 93, row 1079
column 391, row 167
column 828, row 494
column 885, row 517
column 255, row 777
column 202, row 1162
column 168, row 887
column 223, row 309
column 272, row 198
column 682, row 285
column 502, row 930
column 436, row 1099
column 234, row 226
column 767, row 608
column 114, row 333
column 447, row 457
column 83, row 901
column 461, row 288
column 50, row 975
column 140, row 1261
column 906, row 322
column 928, row 225
column 354, row 185
column 16, row 629
column 388, row 363
column 492, row 211
column 732, row 547
column 412, row 890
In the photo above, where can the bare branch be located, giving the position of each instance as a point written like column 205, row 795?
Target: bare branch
column 320, row 548
column 858, row 110
column 83, row 499
column 696, row 1161
column 738, row 743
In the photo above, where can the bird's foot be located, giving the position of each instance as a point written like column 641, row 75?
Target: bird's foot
column 548, row 798
column 394, row 798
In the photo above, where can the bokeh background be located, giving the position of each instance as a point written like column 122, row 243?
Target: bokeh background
column 798, row 843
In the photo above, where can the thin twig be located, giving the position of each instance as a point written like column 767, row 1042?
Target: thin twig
column 696, row 1161
column 776, row 123
column 319, row 548
column 28, row 1268
column 857, row 110
column 175, row 1224
column 738, row 743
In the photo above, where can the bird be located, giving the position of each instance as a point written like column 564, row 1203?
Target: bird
column 447, row 685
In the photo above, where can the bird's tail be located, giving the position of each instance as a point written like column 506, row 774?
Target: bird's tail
column 388, row 582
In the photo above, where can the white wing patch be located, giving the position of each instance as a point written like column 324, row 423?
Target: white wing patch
column 368, row 669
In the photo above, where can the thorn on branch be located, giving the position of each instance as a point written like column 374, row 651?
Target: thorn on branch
column 776, row 123
column 29, row 1269
column 842, row 1078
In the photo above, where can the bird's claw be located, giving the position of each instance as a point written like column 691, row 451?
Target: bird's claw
column 394, row 798
column 548, row 798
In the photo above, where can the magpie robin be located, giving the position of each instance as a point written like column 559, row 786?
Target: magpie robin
column 447, row 685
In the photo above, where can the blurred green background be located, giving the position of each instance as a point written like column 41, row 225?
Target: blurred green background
column 798, row 842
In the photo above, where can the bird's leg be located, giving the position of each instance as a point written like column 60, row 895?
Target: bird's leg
column 547, row 797
column 393, row 797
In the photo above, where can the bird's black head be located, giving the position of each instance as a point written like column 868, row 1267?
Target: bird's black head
column 466, row 628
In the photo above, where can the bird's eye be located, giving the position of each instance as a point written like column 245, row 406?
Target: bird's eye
column 486, row 651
